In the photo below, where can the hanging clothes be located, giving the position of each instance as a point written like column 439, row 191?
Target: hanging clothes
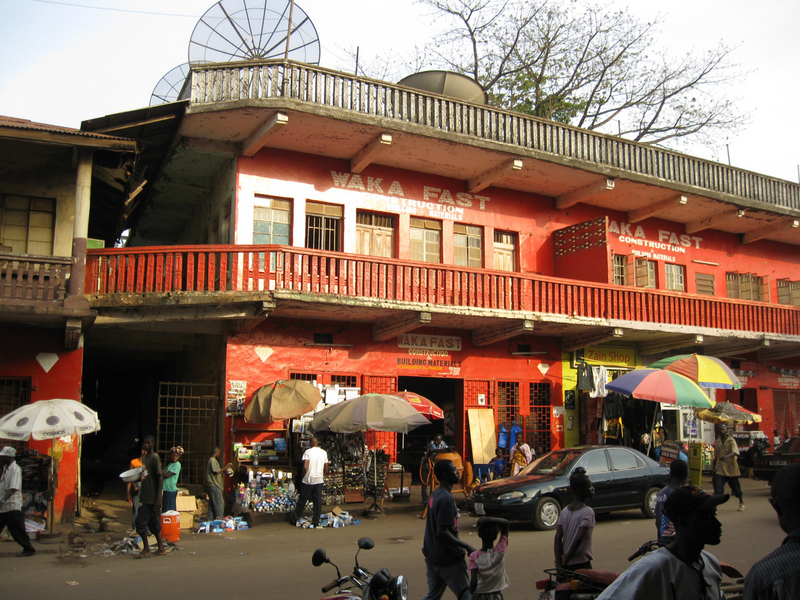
column 585, row 379
column 600, row 376
column 613, row 406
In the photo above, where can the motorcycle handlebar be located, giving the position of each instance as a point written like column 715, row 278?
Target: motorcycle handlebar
column 330, row 586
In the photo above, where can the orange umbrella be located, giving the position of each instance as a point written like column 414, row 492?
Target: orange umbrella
column 421, row 403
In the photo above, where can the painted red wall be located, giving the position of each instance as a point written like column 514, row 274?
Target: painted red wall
column 18, row 358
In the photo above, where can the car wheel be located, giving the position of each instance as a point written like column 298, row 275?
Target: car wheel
column 546, row 513
column 649, row 505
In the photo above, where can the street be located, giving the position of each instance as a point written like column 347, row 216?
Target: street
column 274, row 560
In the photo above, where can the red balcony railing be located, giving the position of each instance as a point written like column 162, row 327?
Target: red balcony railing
column 29, row 278
column 268, row 268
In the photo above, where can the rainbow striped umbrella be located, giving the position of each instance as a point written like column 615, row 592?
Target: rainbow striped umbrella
column 659, row 385
column 708, row 371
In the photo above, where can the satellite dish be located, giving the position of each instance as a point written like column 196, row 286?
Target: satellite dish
column 234, row 30
column 168, row 89
column 447, row 83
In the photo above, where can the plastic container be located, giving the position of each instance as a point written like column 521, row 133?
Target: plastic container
column 171, row 526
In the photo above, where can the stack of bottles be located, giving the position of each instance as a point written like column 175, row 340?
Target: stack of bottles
column 329, row 520
column 270, row 491
column 225, row 524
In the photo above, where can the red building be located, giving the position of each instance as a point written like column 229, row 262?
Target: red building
column 299, row 222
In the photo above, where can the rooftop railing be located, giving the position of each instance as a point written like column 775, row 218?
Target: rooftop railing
column 225, row 82
column 271, row 268
column 29, row 278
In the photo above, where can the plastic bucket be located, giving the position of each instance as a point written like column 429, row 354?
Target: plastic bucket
column 171, row 526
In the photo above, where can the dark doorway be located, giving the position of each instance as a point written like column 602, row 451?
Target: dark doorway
column 448, row 395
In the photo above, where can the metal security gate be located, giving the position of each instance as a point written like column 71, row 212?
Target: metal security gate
column 188, row 416
column 787, row 412
column 534, row 420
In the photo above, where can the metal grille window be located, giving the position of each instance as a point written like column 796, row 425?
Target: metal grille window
column 375, row 234
column 426, row 240
column 675, row 277
column 537, row 423
column 272, row 220
column 467, row 245
column 788, row 292
column 620, row 266
column 14, row 392
column 309, row 377
column 27, row 225
column 345, row 380
column 188, row 417
column 507, row 402
column 505, row 251
column 704, row 283
column 645, row 273
column 323, row 226
column 746, row 286
column 787, row 411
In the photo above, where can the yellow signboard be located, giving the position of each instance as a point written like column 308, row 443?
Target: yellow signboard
column 610, row 356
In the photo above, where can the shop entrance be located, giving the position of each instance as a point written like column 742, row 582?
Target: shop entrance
column 448, row 394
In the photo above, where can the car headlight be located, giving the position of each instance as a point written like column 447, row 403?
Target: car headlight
column 511, row 495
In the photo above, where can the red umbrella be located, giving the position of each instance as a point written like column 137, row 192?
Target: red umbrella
column 422, row 404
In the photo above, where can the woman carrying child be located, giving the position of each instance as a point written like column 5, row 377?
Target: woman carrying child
column 488, row 567
column 573, row 543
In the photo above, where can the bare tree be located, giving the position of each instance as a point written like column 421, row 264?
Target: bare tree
column 585, row 66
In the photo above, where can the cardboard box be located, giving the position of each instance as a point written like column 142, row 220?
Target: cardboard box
column 186, row 504
column 187, row 520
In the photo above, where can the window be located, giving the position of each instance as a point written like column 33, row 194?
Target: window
column 505, row 251
column 467, row 245
column 272, row 220
column 788, row 292
column 645, row 273
column 323, row 226
column 14, row 392
column 704, row 283
column 622, row 460
column 594, row 462
column 675, row 277
column 27, row 225
column 620, row 264
column 747, row 286
column 425, row 240
column 375, row 234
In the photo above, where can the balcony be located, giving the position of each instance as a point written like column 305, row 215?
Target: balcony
column 397, row 107
column 309, row 284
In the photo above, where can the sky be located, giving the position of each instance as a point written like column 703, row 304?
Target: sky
column 66, row 61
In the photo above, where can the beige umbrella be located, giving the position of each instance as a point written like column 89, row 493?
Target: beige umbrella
column 279, row 400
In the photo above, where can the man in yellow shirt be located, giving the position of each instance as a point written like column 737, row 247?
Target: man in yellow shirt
column 726, row 465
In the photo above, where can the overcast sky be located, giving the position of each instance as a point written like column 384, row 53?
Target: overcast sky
column 63, row 62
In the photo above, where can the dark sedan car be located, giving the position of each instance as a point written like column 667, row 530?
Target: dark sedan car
column 622, row 477
column 767, row 464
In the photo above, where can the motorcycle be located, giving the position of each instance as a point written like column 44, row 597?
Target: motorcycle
column 583, row 584
column 361, row 584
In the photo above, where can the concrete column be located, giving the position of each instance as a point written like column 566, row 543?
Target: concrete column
column 83, row 193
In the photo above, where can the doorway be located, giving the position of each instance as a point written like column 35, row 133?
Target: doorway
column 448, row 394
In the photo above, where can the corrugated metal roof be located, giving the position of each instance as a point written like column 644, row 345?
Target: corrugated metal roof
column 25, row 124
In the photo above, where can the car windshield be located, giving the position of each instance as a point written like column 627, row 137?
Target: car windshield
column 552, row 463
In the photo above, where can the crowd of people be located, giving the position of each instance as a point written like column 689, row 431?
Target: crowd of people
column 686, row 523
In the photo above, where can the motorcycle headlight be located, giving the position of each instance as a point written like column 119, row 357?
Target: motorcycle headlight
column 399, row 588
column 511, row 495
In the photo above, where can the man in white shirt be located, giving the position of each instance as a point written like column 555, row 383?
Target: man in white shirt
column 683, row 569
column 315, row 464
column 11, row 501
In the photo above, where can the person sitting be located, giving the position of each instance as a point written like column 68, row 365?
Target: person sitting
column 497, row 465
column 433, row 447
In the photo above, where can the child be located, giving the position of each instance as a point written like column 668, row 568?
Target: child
column 488, row 564
column 171, row 473
column 497, row 465
column 573, row 543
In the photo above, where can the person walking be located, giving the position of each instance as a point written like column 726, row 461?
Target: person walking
column 682, row 569
column 678, row 474
column 151, row 491
column 315, row 465
column 488, row 565
column 777, row 575
column 443, row 550
column 214, row 484
column 171, row 472
column 573, row 542
column 726, row 465
column 11, row 500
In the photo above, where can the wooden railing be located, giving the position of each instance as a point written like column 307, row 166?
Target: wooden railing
column 224, row 82
column 267, row 268
column 34, row 278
